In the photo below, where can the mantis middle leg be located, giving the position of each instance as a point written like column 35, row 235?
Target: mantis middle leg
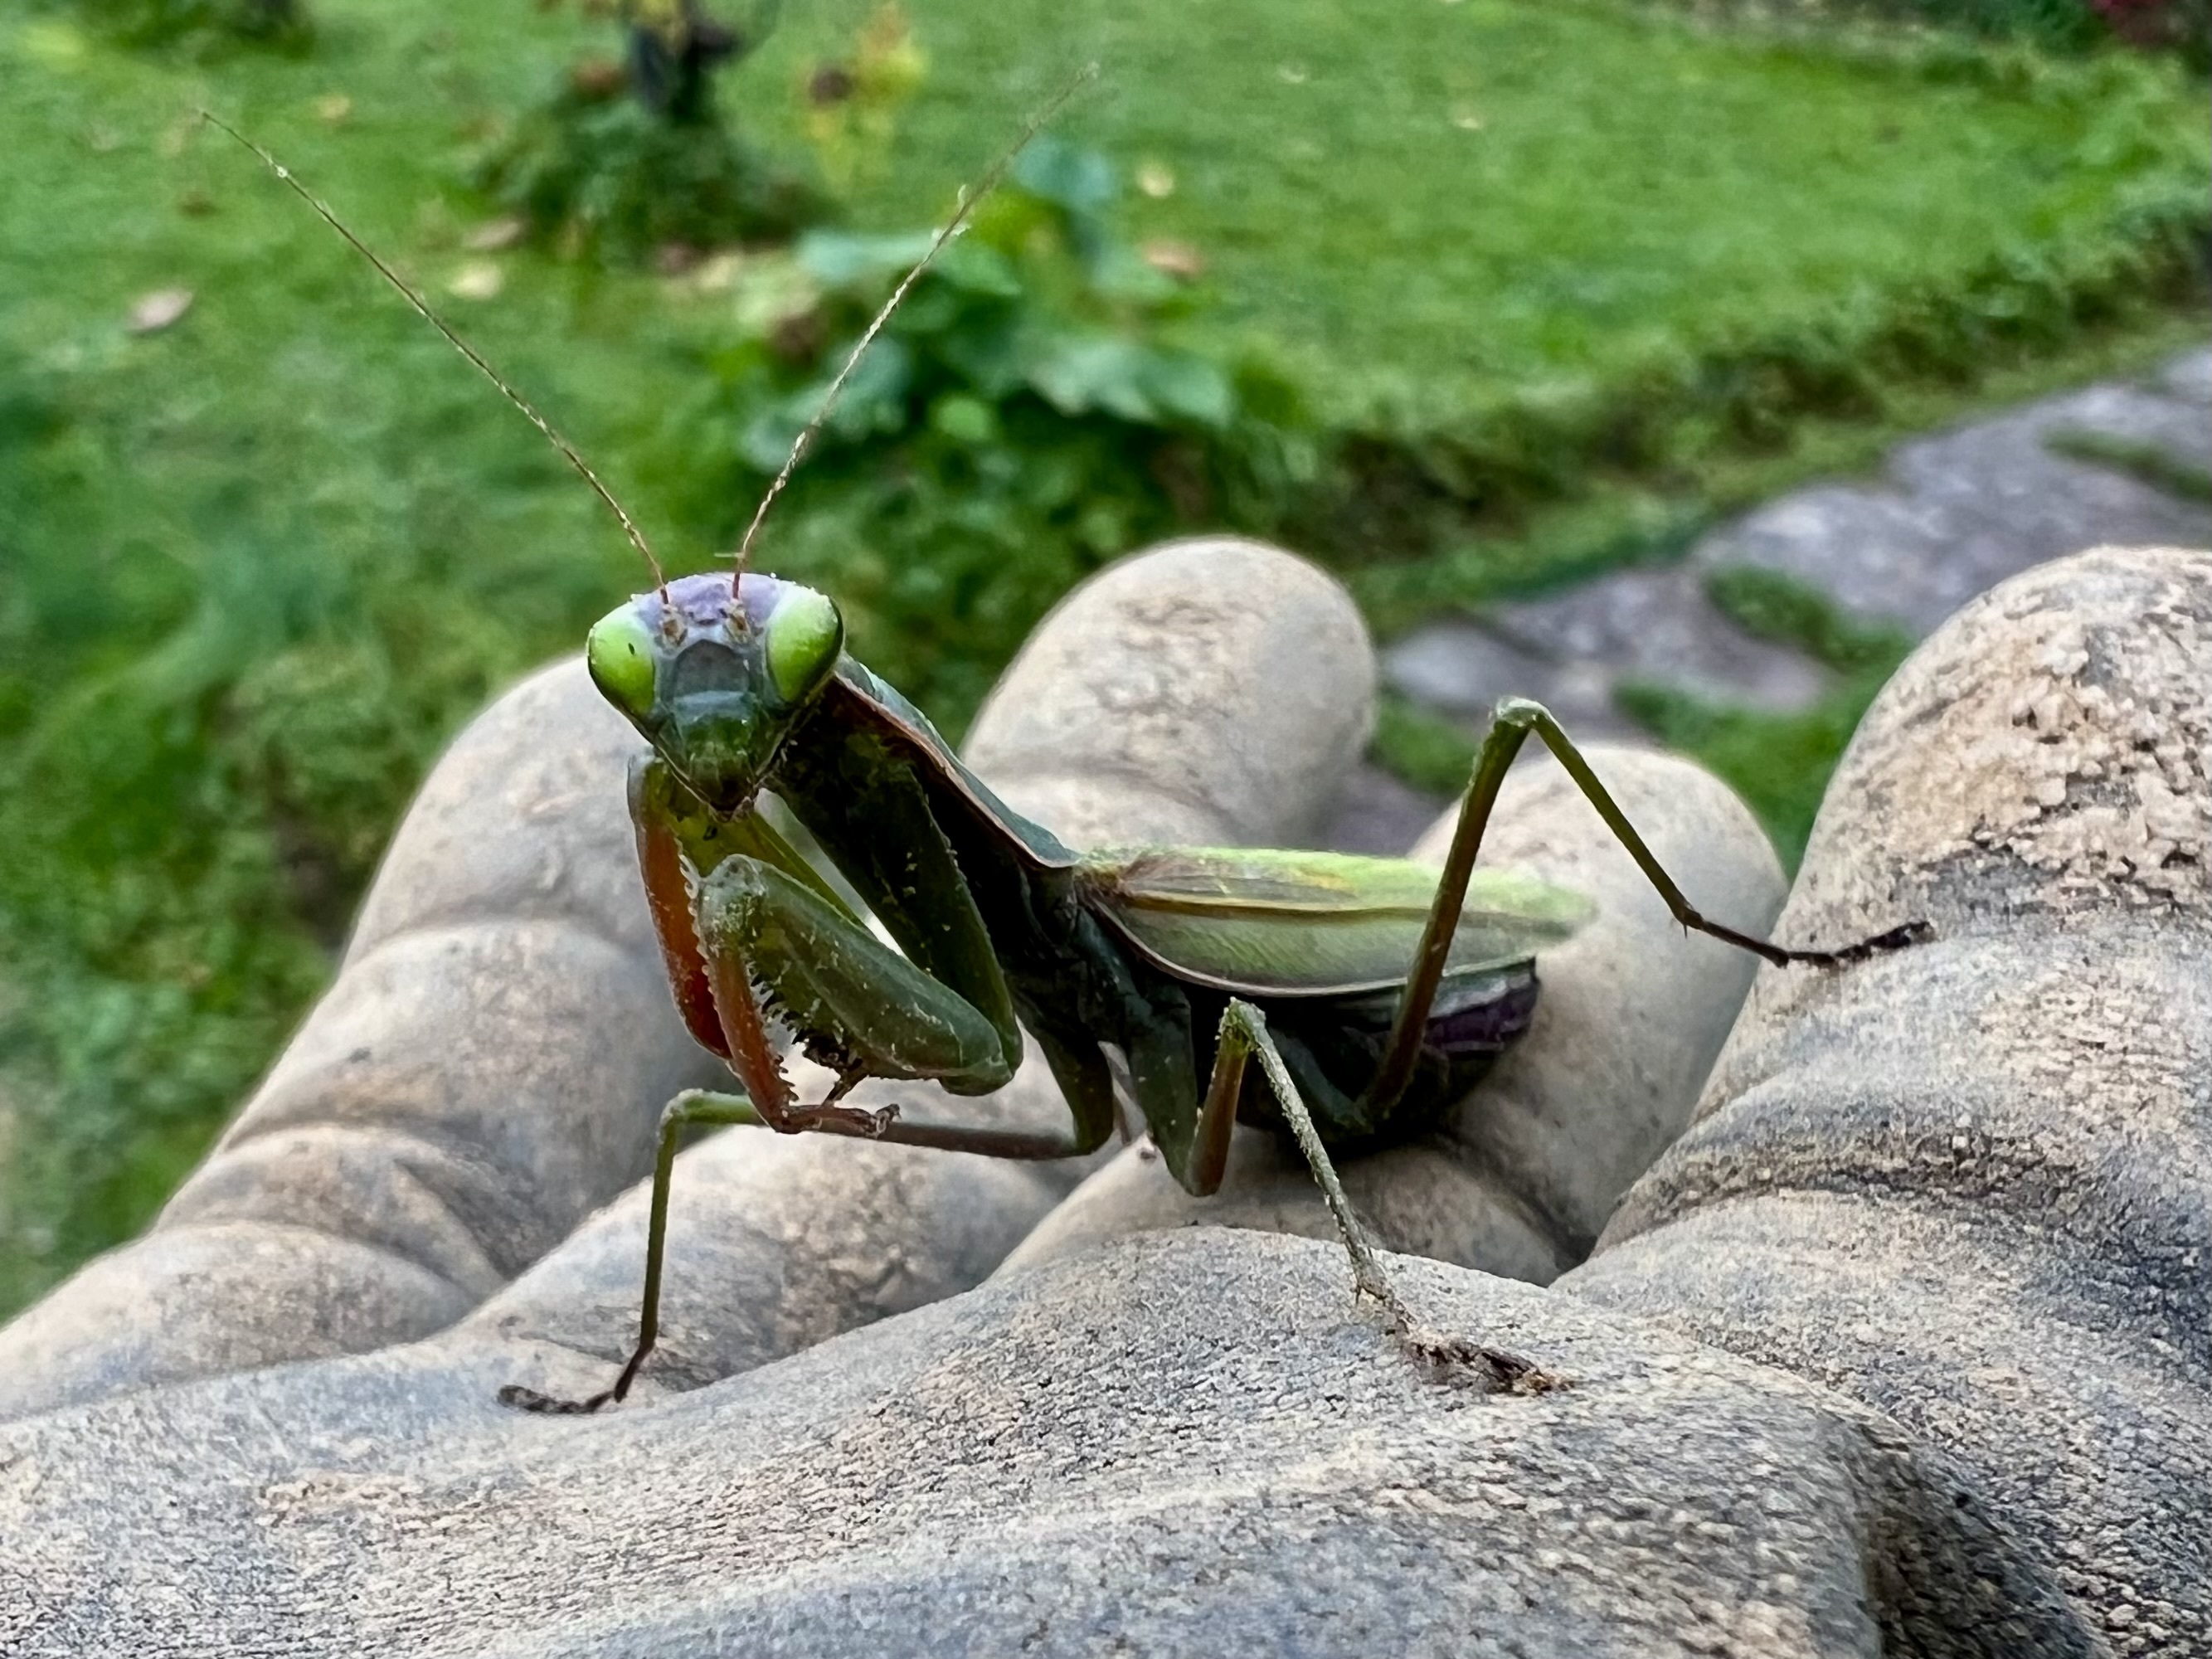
column 693, row 1107
column 701, row 1109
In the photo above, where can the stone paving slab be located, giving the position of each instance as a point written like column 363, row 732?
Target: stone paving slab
column 1950, row 516
column 1959, row 512
column 2189, row 377
column 1461, row 668
column 1569, row 650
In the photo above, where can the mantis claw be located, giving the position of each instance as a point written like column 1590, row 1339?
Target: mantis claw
column 518, row 1398
column 1456, row 1361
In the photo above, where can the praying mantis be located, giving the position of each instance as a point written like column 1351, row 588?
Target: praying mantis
column 1348, row 1000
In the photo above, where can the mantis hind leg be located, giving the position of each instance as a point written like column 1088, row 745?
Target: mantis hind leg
column 1245, row 1036
column 1515, row 718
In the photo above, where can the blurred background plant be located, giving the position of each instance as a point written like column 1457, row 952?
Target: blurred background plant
column 1469, row 300
column 207, row 24
column 2066, row 26
column 631, row 160
column 854, row 100
column 1029, row 413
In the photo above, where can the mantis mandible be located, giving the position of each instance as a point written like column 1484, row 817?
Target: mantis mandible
column 1350, row 1000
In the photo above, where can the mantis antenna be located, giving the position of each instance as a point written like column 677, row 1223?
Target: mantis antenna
column 568, row 450
column 968, row 201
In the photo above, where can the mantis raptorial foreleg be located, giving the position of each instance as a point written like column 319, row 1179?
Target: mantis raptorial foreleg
column 852, row 993
column 867, row 1011
column 1515, row 719
column 833, row 980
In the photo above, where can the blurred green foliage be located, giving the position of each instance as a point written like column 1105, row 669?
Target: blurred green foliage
column 592, row 171
column 1491, row 294
column 207, row 24
column 1674, row 416
column 204, row 739
column 1021, row 420
column 623, row 163
column 2184, row 27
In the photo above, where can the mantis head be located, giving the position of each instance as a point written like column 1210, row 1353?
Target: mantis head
column 716, row 677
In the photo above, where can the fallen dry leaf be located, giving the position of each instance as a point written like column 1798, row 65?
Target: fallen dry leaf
column 479, row 279
column 597, row 78
column 717, row 273
column 496, row 235
column 159, row 309
column 830, row 84
column 1177, row 259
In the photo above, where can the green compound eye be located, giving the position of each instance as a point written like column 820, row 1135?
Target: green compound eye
column 619, row 652
column 804, row 633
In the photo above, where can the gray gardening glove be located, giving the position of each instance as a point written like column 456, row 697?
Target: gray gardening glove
column 1188, row 1442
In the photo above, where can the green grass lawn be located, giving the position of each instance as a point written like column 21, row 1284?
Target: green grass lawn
column 256, row 565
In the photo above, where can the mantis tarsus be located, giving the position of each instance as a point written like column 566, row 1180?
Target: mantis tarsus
column 1372, row 993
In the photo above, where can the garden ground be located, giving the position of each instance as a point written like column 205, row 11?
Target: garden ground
column 1556, row 286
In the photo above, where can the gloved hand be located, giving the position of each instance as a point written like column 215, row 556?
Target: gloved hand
column 1900, row 1348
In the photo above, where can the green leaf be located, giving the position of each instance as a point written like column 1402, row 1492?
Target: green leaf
column 767, row 438
column 1078, row 374
column 991, row 360
column 874, row 399
column 979, row 268
column 1120, row 273
column 842, row 259
column 1068, row 175
column 931, row 309
column 965, row 420
column 1186, row 386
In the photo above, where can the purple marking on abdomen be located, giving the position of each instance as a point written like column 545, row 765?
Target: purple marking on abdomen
column 1485, row 1027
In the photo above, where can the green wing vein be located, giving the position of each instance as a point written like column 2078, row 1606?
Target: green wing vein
column 1287, row 923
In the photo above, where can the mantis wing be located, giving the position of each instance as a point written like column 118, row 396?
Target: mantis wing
column 1258, row 922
